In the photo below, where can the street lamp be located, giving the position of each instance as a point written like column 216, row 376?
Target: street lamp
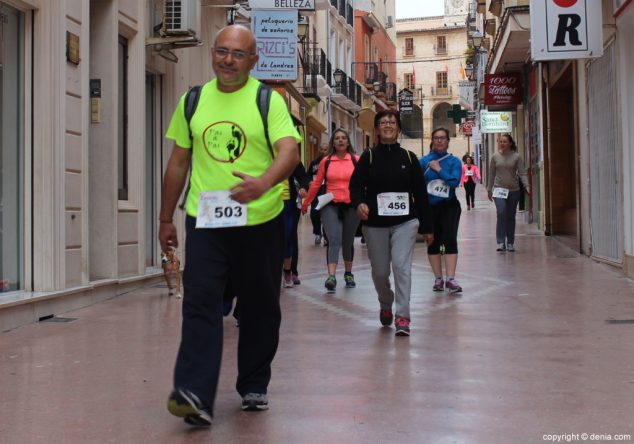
column 302, row 28
column 422, row 122
column 468, row 71
column 338, row 76
column 476, row 39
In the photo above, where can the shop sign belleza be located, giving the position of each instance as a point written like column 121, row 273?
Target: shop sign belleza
column 503, row 89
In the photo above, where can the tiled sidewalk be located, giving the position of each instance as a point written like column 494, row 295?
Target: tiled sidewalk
column 527, row 350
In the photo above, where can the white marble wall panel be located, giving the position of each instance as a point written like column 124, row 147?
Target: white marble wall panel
column 128, row 260
column 127, row 227
column 73, row 267
column 73, row 152
column 73, row 190
column 73, row 229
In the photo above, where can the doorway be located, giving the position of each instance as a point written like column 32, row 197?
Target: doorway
column 563, row 168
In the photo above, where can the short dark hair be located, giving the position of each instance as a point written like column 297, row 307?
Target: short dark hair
column 387, row 112
column 441, row 128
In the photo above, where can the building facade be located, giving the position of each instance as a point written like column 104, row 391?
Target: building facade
column 572, row 126
column 431, row 63
column 88, row 89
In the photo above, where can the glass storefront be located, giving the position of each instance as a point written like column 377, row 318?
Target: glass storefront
column 11, row 148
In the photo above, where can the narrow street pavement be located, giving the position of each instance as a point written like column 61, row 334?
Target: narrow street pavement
column 540, row 343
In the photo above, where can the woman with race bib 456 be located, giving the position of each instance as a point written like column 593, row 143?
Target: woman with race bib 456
column 506, row 169
column 442, row 172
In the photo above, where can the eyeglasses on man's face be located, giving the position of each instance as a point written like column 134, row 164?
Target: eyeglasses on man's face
column 223, row 53
column 387, row 123
column 439, row 138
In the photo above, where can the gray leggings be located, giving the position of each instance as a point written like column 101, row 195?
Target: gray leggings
column 340, row 225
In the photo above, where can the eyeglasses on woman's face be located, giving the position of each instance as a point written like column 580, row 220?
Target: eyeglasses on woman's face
column 439, row 138
column 387, row 123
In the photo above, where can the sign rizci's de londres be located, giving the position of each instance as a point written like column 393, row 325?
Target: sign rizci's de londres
column 566, row 29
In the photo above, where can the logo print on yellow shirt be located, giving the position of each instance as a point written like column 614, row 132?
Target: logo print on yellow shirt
column 224, row 141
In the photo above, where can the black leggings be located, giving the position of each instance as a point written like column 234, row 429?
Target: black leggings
column 469, row 187
column 445, row 217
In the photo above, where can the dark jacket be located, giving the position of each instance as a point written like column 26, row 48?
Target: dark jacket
column 390, row 168
column 298, row 175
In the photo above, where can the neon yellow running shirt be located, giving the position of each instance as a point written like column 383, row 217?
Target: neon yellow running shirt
column 228, row 136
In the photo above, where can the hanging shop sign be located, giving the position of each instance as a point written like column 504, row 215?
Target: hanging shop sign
column 276, row 36
column 406, row 101
column 467, row 94
column 503, row 89
column 476, row 135
column 566, row 29
column 467, row 127
column 496, row 122
column 283, row 4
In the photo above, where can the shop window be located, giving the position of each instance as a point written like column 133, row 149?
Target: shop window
column 153, row 147
column 122, row 116
column 11, row 149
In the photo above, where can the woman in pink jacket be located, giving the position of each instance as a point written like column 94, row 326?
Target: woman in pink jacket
column 339, row 219
column 469, row 174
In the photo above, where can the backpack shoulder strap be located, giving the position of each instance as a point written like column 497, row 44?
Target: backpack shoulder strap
column 263, row 100
column 191, row 102
column 409, row 155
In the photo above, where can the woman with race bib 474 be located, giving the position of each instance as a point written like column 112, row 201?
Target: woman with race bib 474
column 442, row 172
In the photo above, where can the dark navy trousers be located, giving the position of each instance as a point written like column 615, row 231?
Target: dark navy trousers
column 251, row 258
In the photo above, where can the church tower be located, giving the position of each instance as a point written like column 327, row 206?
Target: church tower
column 455, row 10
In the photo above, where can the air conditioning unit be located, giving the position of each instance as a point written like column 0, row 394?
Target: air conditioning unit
column 389, row 22
column 181, row 17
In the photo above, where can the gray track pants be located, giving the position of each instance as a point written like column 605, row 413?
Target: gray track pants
column 392, row 246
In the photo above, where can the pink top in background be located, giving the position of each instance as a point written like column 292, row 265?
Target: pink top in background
column 337, row 182
column 476, row 173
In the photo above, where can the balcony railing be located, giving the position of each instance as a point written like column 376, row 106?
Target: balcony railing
column 408, row 52
column 350, row 17
column 315, row 73
column 436, row 91
column 390, row 92
column 371, row 73
column 345, row 9
column 347, row 93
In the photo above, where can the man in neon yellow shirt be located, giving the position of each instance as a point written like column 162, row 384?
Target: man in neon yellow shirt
column 234, row 227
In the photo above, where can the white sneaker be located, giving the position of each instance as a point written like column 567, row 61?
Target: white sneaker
column 501, row 247
column 510, row 248
column 287, row 280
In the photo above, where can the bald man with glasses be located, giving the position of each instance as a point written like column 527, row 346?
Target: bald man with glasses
column 234, row 227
